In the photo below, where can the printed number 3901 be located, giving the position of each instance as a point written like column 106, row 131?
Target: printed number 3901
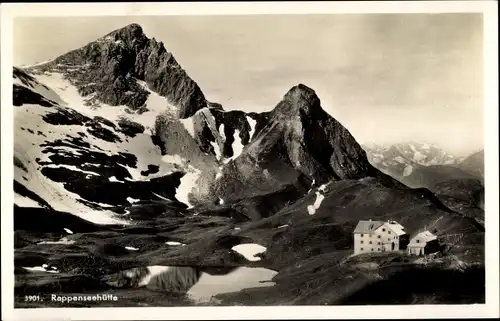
column 31, row 298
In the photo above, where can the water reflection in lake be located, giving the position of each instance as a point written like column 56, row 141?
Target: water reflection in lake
column 199, row 284
column 241, row 278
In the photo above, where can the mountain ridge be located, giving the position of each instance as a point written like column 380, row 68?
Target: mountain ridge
column 109, row 66
column 282, row 152
column 295, row 145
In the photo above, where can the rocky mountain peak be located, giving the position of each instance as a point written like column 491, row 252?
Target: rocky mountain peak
column 299, row 98
column 301, row 94
column 107, row 70
column 299, row 143
column 129, row 32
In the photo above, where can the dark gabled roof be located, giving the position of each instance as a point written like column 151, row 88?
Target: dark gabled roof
column 367, row 227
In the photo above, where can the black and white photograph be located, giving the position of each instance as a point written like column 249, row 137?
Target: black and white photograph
column 325, row 159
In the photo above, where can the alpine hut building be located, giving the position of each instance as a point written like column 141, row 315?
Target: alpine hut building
column 379, row 236
column 423, row 243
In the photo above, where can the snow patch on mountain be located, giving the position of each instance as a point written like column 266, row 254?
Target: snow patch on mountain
column 173, row 159
column 23, row 201
column 399, row 159
column 188, row 183
column 216, row 147
column 249, row 251
column 161, row 197
column 27, row 149
column 237, row 146
column 132, row 200
column 408, row 170
column 221, row 132
column 33, row 131
column 418, row 156
column 311, row 209
column 155, row 103
column 188, row 125
column 322, row 188
column 39, row 269
column 38, row 87
column 140, row 145
column 173, row 243
column 63, row 241
column 252, row 124
column 71, row 167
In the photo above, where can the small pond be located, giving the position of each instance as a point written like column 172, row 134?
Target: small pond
column 198, row 284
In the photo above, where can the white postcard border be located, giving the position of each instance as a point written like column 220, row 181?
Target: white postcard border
column 487, row 8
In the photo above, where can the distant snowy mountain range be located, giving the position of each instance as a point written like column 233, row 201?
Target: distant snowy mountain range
column 457, row 181
column 402, row 159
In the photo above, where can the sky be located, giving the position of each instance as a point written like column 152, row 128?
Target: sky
column 388, row 78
